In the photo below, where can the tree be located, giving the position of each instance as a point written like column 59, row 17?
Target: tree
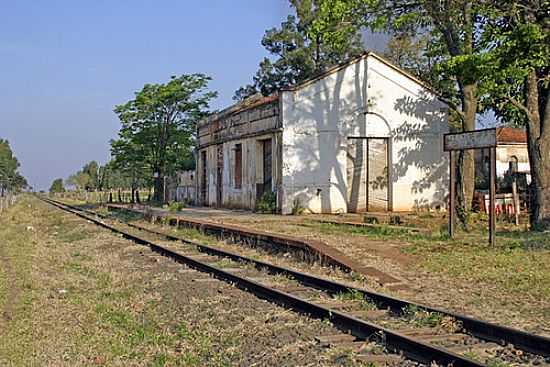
column 92, row 170
column 519, row 41
column 57, row 186
column 10, row 178
column 297, row 53
column 128, row 163
column 80, row 180
column 159, row 124
column 454, row 28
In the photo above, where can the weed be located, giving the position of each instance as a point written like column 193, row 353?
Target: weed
column 267, row 203
column 357, row 296
column 176, row 206
column 497, row 363
column 422, row 318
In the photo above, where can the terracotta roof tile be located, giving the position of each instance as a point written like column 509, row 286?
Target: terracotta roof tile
column 511, row 135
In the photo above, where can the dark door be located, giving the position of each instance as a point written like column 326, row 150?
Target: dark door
column 267, row 164
column 204, row 179
column 219, row 176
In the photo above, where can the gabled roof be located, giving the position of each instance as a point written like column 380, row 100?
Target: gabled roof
column 256, row 101
column 509, row 135
column 363, row 56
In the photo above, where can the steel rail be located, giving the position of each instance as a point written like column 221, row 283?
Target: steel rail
column 393, row 341
column 532, row 343
column 481, row 329
column 528, row 342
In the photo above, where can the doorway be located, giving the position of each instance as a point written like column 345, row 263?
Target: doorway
column 204, row 179
column 266, row 171
column 219, row 176
column 368, row 174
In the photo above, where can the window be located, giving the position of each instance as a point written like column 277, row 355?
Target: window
column 238, row 166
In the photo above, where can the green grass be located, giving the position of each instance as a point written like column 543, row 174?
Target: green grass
column 422, row 318
column 16, row 289
column 520, row 262
column 356, row 296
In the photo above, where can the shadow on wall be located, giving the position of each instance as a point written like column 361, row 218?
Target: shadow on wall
column 319, row 124
column 329, row 111
column 421, row 149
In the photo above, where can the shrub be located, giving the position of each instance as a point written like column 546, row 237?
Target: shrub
column 267, row 203
column 176, row 206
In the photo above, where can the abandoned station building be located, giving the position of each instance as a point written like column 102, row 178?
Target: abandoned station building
column 363, row 136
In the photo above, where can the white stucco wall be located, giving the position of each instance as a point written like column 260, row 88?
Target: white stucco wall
column 366, row 98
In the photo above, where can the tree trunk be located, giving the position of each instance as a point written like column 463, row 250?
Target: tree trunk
column 466, row 176
column 539, row 155
column 159, row 189
column 538, row 144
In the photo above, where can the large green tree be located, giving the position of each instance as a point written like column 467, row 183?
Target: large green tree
column 518, row 38
column 454, row 29
column 161, row 122
column 10, row 178
column 296, row 54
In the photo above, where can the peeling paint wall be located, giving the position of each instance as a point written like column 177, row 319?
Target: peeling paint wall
column 219, row 136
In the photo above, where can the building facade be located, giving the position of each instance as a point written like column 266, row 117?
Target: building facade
column 364, row 136
column 512, row 155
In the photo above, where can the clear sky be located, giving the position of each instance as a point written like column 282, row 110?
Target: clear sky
column 65, row 64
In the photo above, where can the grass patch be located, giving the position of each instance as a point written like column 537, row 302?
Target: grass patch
column 519, row 263
column 356, row 296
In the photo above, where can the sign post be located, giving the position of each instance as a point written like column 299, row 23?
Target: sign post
column 477, row 139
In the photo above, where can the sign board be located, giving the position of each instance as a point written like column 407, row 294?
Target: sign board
column 477, row 139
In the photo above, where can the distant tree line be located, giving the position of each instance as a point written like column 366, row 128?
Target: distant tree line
column 10, row 178
column 109, row 177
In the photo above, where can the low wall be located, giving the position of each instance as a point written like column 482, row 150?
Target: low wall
column 310, row 250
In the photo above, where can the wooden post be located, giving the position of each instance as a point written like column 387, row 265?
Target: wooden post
column 492, row 193
column 516, row 199
column 452, row 188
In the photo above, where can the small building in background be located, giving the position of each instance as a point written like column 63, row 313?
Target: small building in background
column 182, row 187
column 512, row 166
column 512, row 158
column 363, row 136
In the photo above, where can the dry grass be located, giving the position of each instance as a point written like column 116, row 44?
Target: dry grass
column 80, row 296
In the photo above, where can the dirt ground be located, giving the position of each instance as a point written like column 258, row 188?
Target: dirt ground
column 72, row 294
column 509, row 284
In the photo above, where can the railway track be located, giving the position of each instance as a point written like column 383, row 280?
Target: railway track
column 405, row 329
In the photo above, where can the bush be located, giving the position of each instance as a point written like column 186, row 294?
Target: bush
column 176, row 206
column 267, row 203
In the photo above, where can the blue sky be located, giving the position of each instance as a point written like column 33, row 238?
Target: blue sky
column 65, row 64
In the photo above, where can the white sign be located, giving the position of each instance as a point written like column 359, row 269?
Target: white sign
column 471, row 140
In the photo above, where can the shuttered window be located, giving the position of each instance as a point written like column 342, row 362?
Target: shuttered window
column 238, row 166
